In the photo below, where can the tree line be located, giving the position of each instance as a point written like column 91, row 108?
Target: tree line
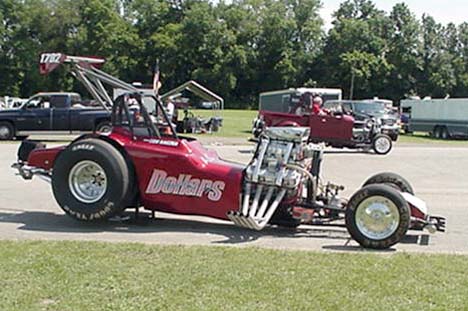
column 237, row 48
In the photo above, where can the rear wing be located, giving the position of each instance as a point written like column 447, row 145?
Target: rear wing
column 48, row 62
column 85, row 69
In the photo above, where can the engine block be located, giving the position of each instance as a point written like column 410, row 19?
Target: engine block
column 281, row 160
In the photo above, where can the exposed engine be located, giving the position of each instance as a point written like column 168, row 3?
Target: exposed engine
column 276, row 174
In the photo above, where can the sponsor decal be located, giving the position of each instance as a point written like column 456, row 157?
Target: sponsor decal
column 170, row 143
column 185, row 185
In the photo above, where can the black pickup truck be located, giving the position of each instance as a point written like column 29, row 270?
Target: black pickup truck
column 57, row 112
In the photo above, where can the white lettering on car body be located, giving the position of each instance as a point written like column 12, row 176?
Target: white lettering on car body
column 185, row 185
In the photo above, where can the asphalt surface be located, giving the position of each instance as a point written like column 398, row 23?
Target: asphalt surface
column 439, row 175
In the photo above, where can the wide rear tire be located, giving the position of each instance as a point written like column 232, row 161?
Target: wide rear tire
column 377, row 216
column 91, row 180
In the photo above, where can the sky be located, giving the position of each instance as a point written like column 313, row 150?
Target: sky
column 455, row 11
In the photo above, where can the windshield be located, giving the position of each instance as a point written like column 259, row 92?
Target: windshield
column 373, row 109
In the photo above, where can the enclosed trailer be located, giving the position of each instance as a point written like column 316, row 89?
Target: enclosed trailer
column 443, row 118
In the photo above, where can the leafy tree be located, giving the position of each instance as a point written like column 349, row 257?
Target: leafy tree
column 438, row 76
column 356, row 41
column 403, row 52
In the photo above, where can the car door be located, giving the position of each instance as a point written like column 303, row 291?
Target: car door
column 328, row 126
column 35, row 115
column 60, row 112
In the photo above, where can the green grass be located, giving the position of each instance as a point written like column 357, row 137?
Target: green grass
column 98, row 276
column 424, row 138
column 236, row 123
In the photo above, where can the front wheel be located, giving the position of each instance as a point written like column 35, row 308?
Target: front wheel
column 91, row 180
column 7, row 131
column 382, row 144
column 377, row 216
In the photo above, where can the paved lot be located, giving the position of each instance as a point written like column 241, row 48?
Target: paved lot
column 438, row 173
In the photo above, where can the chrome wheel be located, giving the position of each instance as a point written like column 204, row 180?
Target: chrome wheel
column 382, row 145
column 87, row 181
column 377, row 217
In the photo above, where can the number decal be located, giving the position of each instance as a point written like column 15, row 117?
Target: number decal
column 50, row 58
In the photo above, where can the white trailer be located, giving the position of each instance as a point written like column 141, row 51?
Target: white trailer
column 443, row 118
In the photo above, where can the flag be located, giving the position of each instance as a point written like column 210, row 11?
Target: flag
column 156, row 82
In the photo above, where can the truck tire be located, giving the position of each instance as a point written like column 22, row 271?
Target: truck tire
column 377, row 216
column 444, row 133
column 392, row 179
column 7, row 131
column 104, row 127
column 91, row 180
column 436, row 133
column 382, row 144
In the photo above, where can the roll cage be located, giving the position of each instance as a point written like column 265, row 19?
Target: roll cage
column 85, row 70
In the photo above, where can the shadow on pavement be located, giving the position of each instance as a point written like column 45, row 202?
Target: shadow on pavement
column 61, row 223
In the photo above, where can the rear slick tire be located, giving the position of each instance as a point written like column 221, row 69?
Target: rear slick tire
column 91, row 180
column 377, row 216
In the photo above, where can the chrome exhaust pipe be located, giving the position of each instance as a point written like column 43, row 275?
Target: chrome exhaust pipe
column 274, row 206
column 246, row 202
column 254, row 207
column 265, row 202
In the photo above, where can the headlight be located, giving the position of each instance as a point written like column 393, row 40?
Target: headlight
column 369, row 123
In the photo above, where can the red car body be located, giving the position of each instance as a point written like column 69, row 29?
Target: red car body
column 158, row 163
column 325, row 127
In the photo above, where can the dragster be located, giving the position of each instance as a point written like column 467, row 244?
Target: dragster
column 142, row 162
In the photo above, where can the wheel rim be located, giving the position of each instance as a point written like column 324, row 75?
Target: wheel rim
column 377, row 217
column 382, row 145
column 4, row 132
column 87, row 181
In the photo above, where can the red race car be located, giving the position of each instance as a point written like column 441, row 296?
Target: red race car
column 143, row 162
